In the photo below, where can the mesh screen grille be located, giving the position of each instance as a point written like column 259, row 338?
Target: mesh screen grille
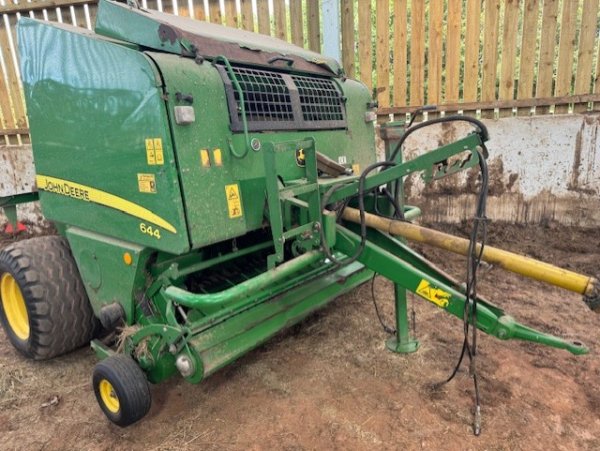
column 266, row 96
column 320, row 99
column 280, row 101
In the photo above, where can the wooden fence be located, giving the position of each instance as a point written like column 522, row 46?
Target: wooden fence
column 498, row 57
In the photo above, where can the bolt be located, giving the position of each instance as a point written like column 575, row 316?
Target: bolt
column 185, row 365
column 255, row 144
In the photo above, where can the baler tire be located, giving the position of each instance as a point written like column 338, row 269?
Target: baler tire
column 44, row 308
column 121, row 389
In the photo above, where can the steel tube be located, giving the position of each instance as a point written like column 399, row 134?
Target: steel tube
column 245, row 289
column 528, row 267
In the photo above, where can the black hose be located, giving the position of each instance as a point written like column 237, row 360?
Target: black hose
column 470, row 310
column 483, row 131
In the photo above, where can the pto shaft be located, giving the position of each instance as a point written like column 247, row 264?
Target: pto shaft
column 528, row 267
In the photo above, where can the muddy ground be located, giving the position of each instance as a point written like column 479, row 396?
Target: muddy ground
column 330, row 384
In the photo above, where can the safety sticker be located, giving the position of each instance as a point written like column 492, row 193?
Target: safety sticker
column 217, row 157
column 150, row 155
column 147, row 183
column 300, row 158
column 154, row 151
column 432, row 294
column 356, row 169
column 204, row 158
column 234, row 203
column 158, row 150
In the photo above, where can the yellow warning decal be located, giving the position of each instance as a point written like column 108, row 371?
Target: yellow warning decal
column 356, row 169
column 150, row 155
column 154, row 151
column 234, row 203
column 158, row 150
column 89, row 194
column 217, row 157
column 147, row 183
column 204, row 158
column 432, row 294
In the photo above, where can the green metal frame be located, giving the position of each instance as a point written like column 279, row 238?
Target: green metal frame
column 8, row 204
column 213, row 329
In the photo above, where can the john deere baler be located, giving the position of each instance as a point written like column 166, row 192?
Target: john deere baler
column 211, row 187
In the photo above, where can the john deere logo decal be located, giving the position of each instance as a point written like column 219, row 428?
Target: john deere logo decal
column 300, row 158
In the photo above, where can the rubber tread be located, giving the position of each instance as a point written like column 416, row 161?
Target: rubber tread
column 130, row 385
column 61, row 318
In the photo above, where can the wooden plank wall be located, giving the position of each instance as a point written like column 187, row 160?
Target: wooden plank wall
column 495, row 58
column 488, row 57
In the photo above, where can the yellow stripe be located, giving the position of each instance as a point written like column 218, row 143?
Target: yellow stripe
column 89, row 194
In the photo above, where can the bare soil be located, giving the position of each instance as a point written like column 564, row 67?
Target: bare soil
column 329, row 383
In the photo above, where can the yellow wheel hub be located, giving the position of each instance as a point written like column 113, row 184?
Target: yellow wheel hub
column 108, row 396
column 14, row 307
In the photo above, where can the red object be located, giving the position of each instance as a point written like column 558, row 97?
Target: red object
column 9, row 229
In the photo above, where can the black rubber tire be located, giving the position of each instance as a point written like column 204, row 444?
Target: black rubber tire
column 130, row 387
column 60, row 316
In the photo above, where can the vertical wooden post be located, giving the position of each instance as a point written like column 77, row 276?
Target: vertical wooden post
column 383, row 52
column 490, row 54
column 417, row 53
column 400, row 52
column 296, row 22
column 314, row 25
column 528, row 47
column 347, row 11
column 509, row 54
column 547, row 52
column 365, row 60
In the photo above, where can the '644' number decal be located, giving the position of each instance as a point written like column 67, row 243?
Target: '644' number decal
column 149, row 230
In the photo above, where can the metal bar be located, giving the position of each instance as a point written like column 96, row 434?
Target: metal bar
column 8, row 204
column 214, row 301
column 519, row 264
column 222, row 259
column 403, row 342
column 298, row 230
column 242, row 103
column 297, row 190
column 15, row 199
column 423, row 162
column 274, row 203
column 489, row 319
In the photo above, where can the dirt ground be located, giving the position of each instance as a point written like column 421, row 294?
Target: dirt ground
column 329, row 383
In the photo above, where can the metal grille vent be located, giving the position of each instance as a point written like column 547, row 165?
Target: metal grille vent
column 266, row 96
column 320, row 99
column 279, row 101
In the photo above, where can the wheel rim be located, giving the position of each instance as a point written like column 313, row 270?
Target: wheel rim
column 109, row 396
column 14, row 306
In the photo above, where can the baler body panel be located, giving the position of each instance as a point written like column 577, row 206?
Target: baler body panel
column 206, row 184
column 189, row 37
column 93, row 104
